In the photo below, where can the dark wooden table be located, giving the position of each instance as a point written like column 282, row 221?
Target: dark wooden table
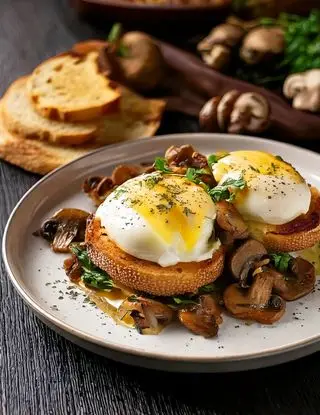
column 41, row 373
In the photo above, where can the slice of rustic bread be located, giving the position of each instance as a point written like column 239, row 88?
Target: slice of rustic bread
column 70, row 87
column 42, row 157
column 20, row 117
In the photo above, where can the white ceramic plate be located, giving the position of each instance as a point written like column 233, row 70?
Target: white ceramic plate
column 38, row 276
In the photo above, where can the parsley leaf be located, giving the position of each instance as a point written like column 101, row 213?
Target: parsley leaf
column 223, row 192
column 91, row 274
column 281, row 261
column 209, row 288
column 194, row 175
column 214, row 158
column 161, row 164
column 183, row 300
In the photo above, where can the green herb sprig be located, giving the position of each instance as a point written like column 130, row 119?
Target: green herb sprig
column 302, row 37
column 226, row 190
column 281, row 261
column 91, row 274
column 194, row 175
column 161, row 164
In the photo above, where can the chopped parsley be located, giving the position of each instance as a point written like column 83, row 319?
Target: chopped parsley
column 194, row 175
column 223, row 191
column 281, row 261
column 118, row 192
column 188, row 211
column 279, row 158
column 161, row 164
column 214, row 158
column 151, row 181
column 91, row 274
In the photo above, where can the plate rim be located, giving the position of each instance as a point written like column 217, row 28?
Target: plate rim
column 139, row 352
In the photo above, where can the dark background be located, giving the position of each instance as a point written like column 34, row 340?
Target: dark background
column 41, row 373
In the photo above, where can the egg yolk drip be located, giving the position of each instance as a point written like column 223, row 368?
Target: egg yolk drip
column 171, row 205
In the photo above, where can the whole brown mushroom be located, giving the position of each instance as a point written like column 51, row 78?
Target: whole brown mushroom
column 142, row 63
column 262, row 44
column 215, row 49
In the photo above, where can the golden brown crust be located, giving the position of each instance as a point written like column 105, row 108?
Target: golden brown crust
column 301, row 233
column 148, row 276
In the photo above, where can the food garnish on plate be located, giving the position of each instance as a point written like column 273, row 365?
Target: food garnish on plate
column 190, row 237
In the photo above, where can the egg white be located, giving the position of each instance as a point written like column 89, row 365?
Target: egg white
column 133, row 233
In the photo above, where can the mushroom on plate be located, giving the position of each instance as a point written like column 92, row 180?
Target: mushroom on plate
column 215, row 49
column 304, row 90
column 261, row 44
column 148, row 314
column 255, row 303
column 64, row 227
column 236, row 112
column 204, row 318
column 297, row 282
column 230, row 221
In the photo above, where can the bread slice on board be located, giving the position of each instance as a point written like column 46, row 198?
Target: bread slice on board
column 20, row 117
column 42, row 157
column 69, row 87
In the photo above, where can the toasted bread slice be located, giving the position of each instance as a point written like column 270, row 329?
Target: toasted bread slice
column 301, row 233
column 42, row 157
column 148, row 276
column 69, row 87
column 21, row 118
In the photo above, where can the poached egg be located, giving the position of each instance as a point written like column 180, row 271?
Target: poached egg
column 275, row 192
column 163, row 218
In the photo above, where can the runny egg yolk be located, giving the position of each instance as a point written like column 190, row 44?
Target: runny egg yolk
column 275, row 192
column 161, row 218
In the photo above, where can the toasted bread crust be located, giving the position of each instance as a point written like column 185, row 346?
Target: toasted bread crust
column 148, row 276
column 20, row 118
column 301, row 233
column 69, row 87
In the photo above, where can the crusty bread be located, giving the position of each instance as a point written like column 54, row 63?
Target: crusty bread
column 299, row 234
column 148, row 276
column 20, row 117
column 42, row 157
column 36, row 156
column 69, row 87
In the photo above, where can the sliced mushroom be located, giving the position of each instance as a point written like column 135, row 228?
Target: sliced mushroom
column 251, row 113
column 179, row 156
column 125, row 172
column 230, row 220
column 216, row 48
column 73, row 268
column 147, row 314
column 64, row 227
column 298, row 282
column 243, row 257
column 255, row 303
column 208, row 116
column 236, row 113
column 203, row 319
column 304, row 89
column 261, row 44
column 142, row 62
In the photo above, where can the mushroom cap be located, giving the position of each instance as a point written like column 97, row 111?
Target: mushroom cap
column 224, row 34
column 265, row 39
column 304, row 88
column 144, row 67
